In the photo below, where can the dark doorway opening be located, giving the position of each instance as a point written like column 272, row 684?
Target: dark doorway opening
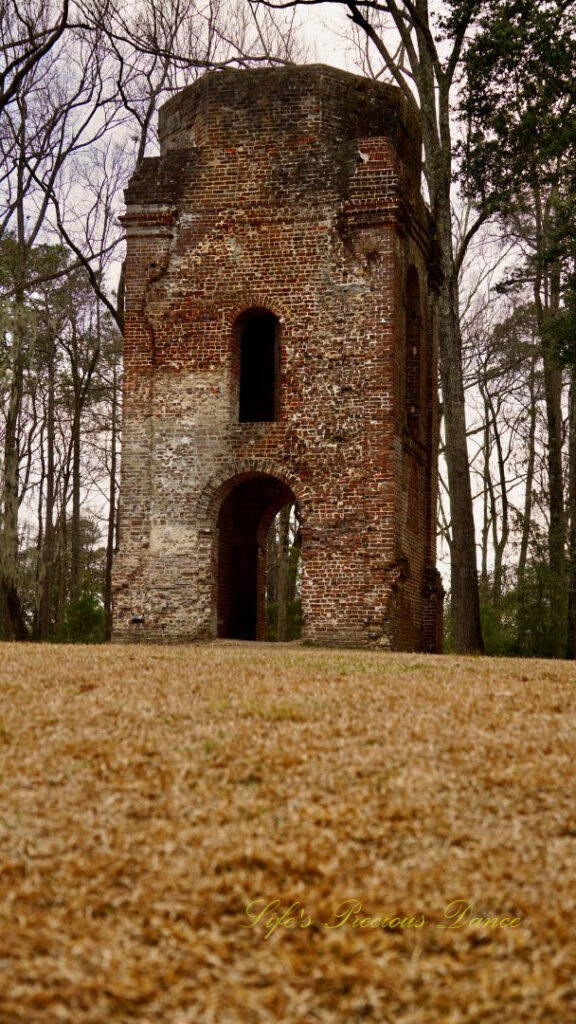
column 244, row 564
column 259, row 366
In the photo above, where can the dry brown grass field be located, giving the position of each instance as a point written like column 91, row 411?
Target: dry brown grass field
column 256, row 833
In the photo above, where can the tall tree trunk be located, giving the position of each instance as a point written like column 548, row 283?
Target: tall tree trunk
column 47, row 552
column 485, row 504
column 463, row 566
column 61, row 582
column 571, row 617
column 546, row 301
column 14, row 620
column 435, row 108
column 111, row 532
column 499, row 539
column 81, row 380
column 527, row 512
column 75, row 538
column 557, row 522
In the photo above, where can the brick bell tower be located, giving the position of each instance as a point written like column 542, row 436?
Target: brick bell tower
column 280, row 348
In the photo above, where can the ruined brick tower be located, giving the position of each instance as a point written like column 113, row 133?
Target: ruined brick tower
column 280, row 347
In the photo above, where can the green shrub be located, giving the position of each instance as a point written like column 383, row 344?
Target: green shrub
column 84, row 621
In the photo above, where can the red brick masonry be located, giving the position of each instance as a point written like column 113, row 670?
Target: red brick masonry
column 293, row 192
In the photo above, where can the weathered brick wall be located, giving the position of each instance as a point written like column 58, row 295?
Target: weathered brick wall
column 294, row 191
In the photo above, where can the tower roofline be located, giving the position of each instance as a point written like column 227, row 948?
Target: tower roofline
column 324, row 99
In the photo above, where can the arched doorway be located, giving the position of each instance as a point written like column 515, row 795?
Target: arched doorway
column 244, row 522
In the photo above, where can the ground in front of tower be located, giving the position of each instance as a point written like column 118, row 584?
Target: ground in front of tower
column 259, row 833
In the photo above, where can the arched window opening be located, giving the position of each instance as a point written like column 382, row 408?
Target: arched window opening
column 413, row 341
column 259, row 369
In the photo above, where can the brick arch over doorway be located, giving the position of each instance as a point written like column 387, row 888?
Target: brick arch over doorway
column 244, row 519
column 209, row 501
